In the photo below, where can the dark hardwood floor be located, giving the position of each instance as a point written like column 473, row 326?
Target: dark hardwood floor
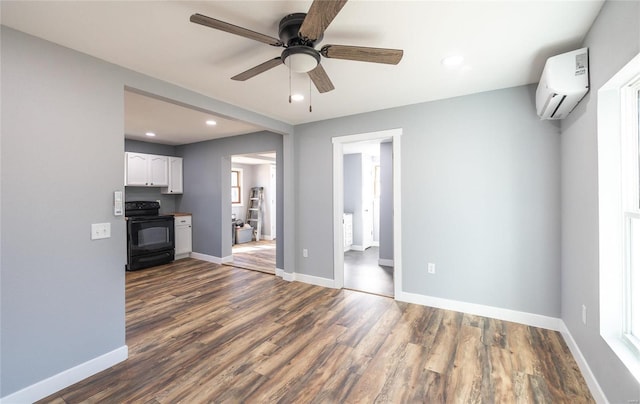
column 199, row 332
column 362, row 272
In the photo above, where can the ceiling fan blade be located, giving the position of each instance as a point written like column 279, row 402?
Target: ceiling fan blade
column 234, row 29
column 261, row 68
column 320, row 15
column 321, row 79
column 362, row 54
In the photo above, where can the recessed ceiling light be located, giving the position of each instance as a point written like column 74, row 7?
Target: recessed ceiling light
column 150, row 134
column 297, row 97
column 452, row 61
column 211, row 122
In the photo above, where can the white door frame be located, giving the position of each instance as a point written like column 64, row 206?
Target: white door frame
column 338, row 203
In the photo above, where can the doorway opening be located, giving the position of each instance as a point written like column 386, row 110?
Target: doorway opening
column 253, row 211
column 367, row 212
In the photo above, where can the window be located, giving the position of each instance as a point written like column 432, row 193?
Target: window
column 236, row 186
column 619, row 214
column 630, row 174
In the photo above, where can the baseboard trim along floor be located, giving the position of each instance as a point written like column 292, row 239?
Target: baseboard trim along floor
column 67, row 377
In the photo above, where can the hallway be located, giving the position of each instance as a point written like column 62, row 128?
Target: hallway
column 362, row 272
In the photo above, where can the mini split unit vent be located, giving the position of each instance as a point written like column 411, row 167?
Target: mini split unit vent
column 564, row 82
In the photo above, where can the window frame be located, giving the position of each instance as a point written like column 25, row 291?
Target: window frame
column 239, row 179
column 617, row 120
column 630, row 176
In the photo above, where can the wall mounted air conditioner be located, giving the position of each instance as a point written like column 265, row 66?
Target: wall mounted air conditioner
column 564, row 81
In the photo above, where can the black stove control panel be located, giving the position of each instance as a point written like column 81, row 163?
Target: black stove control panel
column 141, row 208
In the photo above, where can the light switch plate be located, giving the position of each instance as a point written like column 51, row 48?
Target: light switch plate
column 100, row 231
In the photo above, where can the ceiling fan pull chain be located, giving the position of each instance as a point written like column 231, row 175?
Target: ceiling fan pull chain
column 289, row 86
column 310, row 110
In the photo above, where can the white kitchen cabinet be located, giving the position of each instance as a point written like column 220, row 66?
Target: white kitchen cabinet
column 347, row 229
column 175, row 176
column 146, row 170
column 183, row 241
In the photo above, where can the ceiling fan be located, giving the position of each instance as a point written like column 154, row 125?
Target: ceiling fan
column 298, row 33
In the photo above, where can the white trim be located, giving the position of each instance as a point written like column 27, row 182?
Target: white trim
column 356, row 247
column 182, row 256
column 310, row 279
column 67, row 377
column 338, row 203
column 338, row 215
column 211, row 258
column 536, row 320
column 610, row 139
column 375, row 244
column 592, row 382
column 268, row 237
column 314, row 280
column 385, row 262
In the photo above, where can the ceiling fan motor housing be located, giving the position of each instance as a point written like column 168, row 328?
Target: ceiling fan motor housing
column 290, row 27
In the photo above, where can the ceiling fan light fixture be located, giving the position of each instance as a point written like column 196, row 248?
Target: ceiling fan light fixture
column 300, row 58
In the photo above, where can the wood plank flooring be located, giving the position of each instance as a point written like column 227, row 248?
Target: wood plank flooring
column 255, row 255
column 199, row 332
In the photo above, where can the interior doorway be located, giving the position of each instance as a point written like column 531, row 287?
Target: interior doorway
column 367, row 212
column 253, row 207
column 366, row 189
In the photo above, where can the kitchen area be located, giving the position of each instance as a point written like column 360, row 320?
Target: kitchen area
column 177, row 190
column 156, row 234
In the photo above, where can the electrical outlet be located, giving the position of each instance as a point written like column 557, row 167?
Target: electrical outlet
column 431, row 268
column 584, row 314
column 305, row 253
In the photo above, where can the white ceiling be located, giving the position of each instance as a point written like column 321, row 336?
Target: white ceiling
column 175, row 124
column 504, row 43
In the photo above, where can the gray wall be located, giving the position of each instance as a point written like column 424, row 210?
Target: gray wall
column 386, row 201
column 62, row 295
column 207, row 166
column 613, row 40
column 352, row 171
column 168, row 202
column 62, row 158
column 480, row 198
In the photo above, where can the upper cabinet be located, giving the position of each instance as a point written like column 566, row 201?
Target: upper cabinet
column 175, row 176
column 146, row 170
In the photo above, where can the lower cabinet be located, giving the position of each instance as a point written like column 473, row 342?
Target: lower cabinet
column 183, row 236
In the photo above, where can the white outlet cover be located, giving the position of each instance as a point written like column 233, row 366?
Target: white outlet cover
column 100, row 231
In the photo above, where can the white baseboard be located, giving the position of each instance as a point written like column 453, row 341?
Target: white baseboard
column 268, row 237
column 181, row 256
column 536, row 320
column 314, row 280
column 67, row 377
column 310, row 279
column 356, row 247
column 592, row 382
column 375, row 244
column 385, row 262
column 211, row 258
